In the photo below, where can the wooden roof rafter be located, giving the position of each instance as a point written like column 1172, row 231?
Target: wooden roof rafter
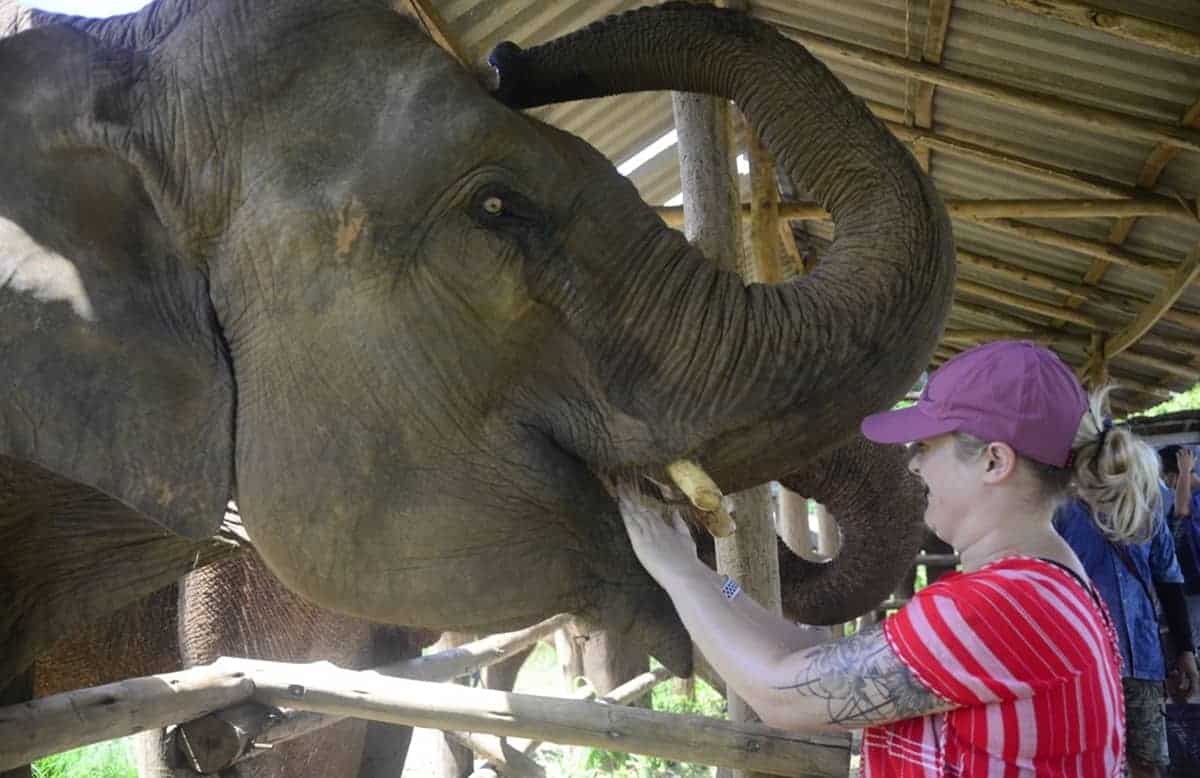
column 1098, row 119
column 918, row 104
column 1157, row 161
column 1146, row 32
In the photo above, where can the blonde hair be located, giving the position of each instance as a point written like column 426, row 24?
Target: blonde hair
column 1119, row 479
column 1111, row 469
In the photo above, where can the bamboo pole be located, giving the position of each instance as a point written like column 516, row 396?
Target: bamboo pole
column 468, row 658
column 329, row 690
column 217, row 741
column 1046, row 283
column 1005, row 320
column 1131, row 28
column 49, row 725
column 978, row 148
column 505, row 758
column 1110, row 122
column 1186, row 372
column 986, row 209
column 1044, row 337
column 1091, row 248
column 1025, row 304
column 711, row 219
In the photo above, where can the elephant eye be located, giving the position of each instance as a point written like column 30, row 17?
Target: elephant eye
column 493, row 206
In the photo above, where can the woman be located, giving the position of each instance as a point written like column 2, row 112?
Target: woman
column 1007, row 668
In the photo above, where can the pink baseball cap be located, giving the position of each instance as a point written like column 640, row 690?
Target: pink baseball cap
column 1009, row 391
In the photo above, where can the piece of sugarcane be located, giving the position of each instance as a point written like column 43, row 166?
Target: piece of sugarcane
column 696, row 484
column 717, row 523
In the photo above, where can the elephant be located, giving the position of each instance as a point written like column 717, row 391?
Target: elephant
column 235, row 607
column 291, row 252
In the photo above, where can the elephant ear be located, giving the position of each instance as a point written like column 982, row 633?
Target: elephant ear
column 113, row 372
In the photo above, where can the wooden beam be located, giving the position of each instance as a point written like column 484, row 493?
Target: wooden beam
column 918, row 106
column 1147, row 179
column 1090, row 248
column 1046, row 283
column 437, row 29
column 1025, row 304
column 936, row 25
column 1001, row 318
column 1098, row 119
column 217, row 741
column 50, row 725
column 326, row 689
column 506, row 759
column 1146, row 32
column 1038, row 336
column 763, row 251
column 978, row 148
column 991, row 209
column 1180, row 280
column 1171, row 367
column 711, row 201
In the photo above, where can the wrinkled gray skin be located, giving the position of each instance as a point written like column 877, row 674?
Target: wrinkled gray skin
column 321, row 269
column 235, row 607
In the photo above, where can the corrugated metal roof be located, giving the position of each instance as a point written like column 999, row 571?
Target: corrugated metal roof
column 985, row 40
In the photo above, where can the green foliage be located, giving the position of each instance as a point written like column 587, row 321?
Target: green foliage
column 1184, row 401
column 666, row 697
column 103, row 760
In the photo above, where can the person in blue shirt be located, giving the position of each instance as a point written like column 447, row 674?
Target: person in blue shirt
column 1129, row 576
column 1183, row 517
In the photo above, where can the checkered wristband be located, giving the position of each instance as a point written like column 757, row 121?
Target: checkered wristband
column 730, row 588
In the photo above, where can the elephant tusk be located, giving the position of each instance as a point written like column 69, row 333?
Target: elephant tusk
column 696, row 484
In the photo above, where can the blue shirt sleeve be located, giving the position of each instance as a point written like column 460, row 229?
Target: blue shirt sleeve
column 1164, row 567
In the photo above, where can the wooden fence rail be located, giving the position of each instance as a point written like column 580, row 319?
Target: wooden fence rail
column 31, row 730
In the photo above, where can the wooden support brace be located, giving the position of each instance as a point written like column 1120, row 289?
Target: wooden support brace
column 1183, row 277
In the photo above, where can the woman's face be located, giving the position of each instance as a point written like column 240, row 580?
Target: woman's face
column 951, row 485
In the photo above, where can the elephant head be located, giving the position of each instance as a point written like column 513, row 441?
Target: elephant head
column 290, row 251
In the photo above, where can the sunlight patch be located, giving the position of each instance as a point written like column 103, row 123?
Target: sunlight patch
column 27, row 267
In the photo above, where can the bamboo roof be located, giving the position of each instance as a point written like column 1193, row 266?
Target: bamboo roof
column 1062, row 134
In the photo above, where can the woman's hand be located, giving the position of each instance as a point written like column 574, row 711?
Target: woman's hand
column 660, row 538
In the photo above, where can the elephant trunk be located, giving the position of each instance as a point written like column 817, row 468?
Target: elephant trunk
column 878, row 507
column 752, row 380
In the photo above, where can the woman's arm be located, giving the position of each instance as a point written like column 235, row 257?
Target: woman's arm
column 773, row 664
column 1186, row 459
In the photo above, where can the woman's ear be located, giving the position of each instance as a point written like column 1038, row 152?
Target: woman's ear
column 999, row 462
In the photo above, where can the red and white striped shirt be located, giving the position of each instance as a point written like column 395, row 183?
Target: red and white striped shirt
column 1032, row 660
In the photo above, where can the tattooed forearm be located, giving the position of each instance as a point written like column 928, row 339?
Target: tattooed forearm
column 862, row 682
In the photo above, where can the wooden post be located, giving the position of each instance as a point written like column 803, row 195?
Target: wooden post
column 1097, row 365
column 711, row 222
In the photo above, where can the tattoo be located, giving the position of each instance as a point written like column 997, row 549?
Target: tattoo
column 863, row 683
